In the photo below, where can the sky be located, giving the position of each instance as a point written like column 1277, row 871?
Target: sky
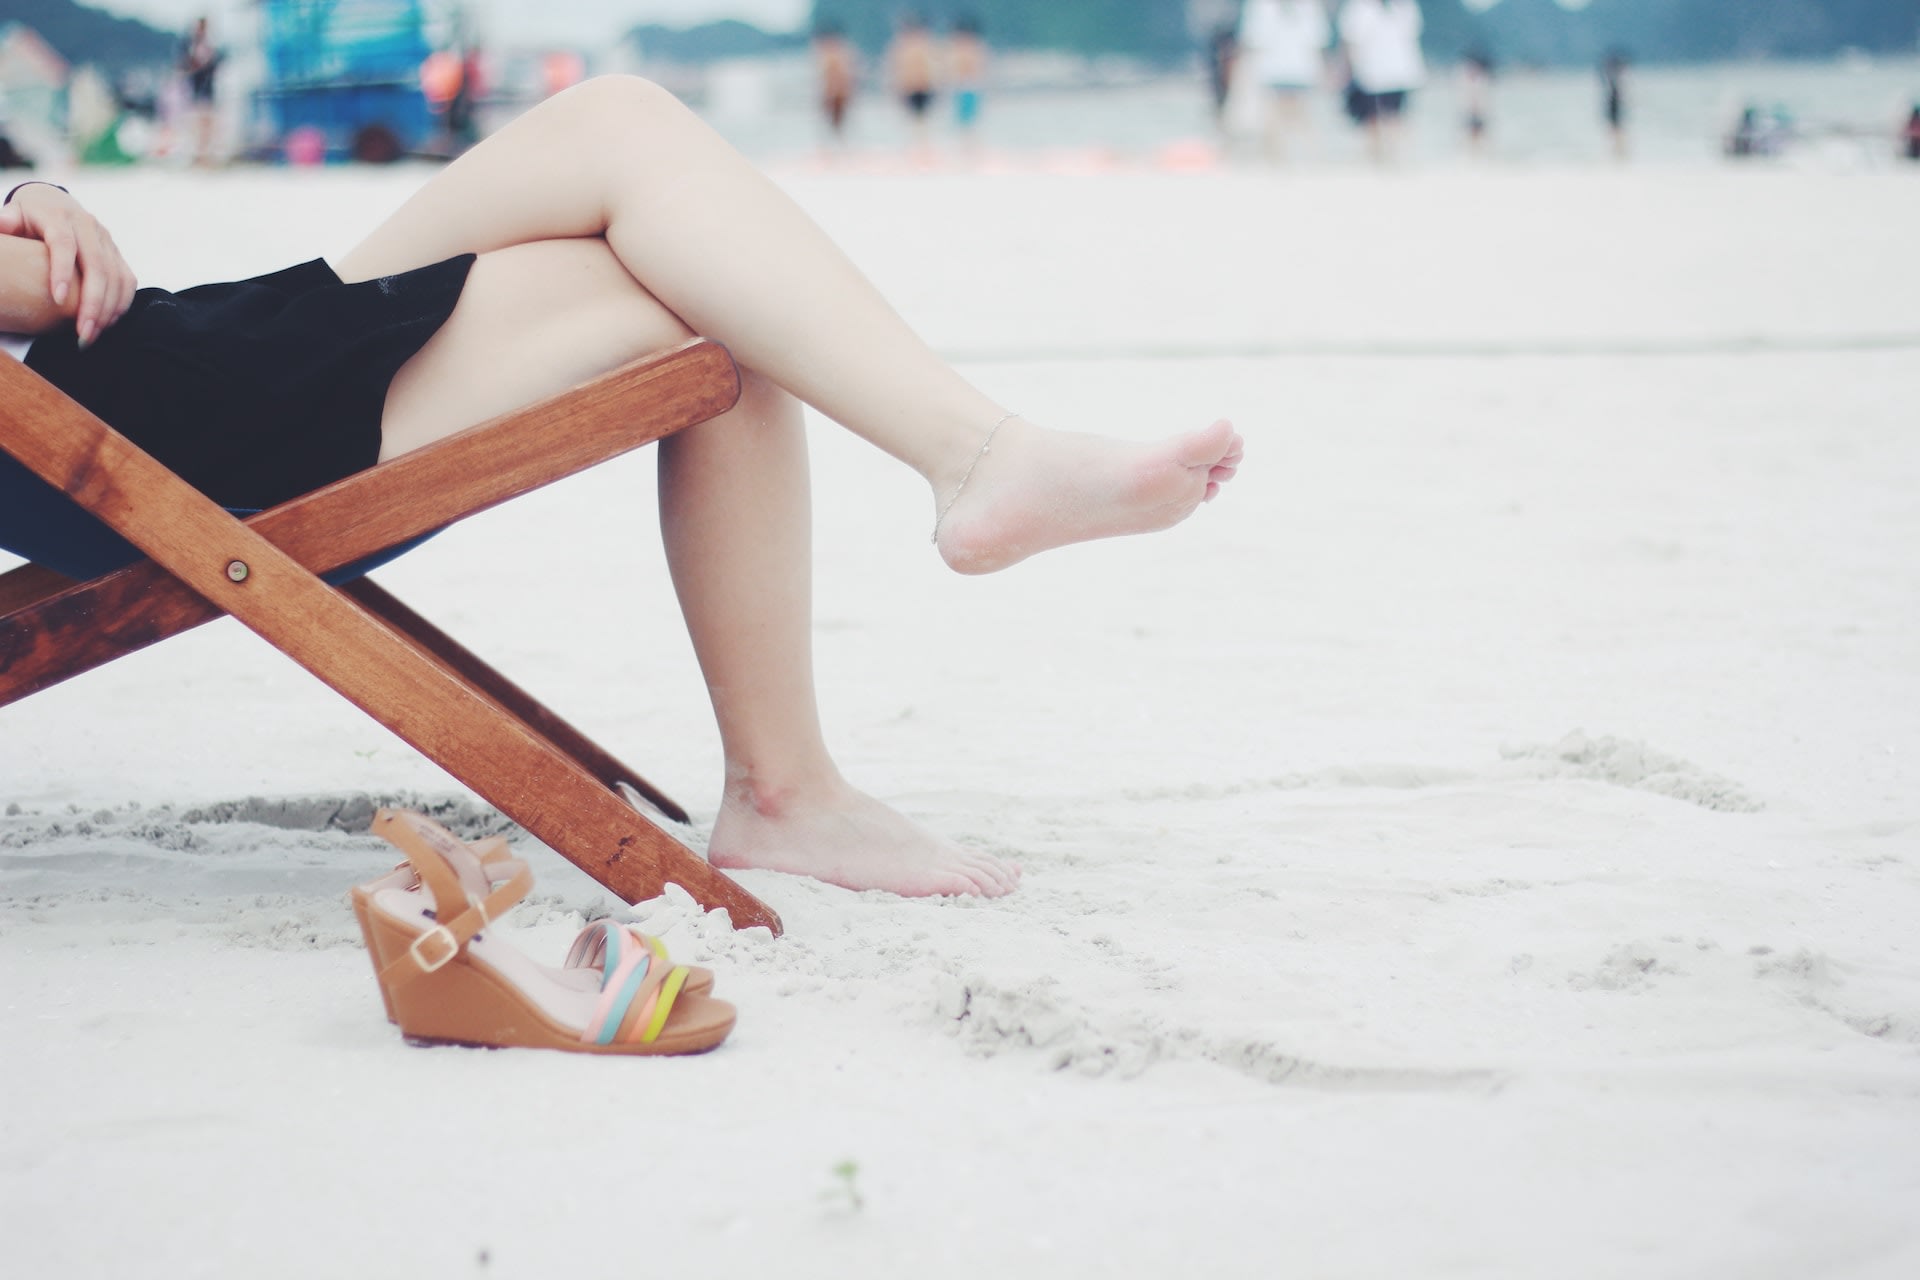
column 514, row 21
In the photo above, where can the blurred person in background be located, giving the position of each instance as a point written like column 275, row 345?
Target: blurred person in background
column 455, row 82
column 1760, row 131
column 1613, row 99
column 1283, row 45
column 1910, row 135
column 967, row 73
column 199, row 64
column 838, row 67
column 1223, row 51
column 463, row 120
column 560, row 70
column 1382, row 40
column 1476, row 98
column 912, row 66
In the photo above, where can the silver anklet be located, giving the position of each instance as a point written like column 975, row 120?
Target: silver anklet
column 962, row 486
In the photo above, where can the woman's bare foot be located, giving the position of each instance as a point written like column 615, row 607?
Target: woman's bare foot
column 1036, row 489
column 848, row 838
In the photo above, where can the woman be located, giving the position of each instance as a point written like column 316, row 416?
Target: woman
column 1285, row 42
column 200, row 63
column 912, row 61
column 607, row 223
column 1382, row 40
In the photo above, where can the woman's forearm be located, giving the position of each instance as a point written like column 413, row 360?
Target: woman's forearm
column 26, row 305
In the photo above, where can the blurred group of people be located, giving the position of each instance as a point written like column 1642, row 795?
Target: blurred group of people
column 1283, row 51
column 1367, row 51
column 920, row 67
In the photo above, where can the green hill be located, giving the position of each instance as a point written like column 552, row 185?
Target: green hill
column 1540, row 31
column 711, row 41
column 1529, row 31
column 1153, row 30
column 82, row 35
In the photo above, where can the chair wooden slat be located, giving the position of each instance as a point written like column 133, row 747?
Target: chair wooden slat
column 95, row 622
column 585, row 752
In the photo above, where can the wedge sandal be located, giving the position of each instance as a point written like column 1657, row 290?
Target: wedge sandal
column 447, row 977
column 479, row 876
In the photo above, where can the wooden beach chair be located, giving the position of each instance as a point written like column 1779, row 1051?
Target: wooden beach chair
column 270, row 571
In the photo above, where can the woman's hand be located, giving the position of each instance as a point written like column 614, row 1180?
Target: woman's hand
column 79, row 253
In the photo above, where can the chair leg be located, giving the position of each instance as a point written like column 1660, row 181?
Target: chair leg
column 585, row 752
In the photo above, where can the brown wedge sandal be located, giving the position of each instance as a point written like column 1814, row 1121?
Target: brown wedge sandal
column 479, row 876
column 445, row 981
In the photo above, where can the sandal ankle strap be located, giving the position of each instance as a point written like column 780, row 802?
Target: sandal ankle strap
column 458, row 915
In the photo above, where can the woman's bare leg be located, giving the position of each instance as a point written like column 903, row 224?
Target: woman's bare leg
column 735, row 513
column 735, row 506
column 728, row 253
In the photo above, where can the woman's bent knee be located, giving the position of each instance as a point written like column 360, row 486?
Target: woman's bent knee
column 622, row 98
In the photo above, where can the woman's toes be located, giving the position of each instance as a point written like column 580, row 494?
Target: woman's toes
column 1207, row 445
column 995, row 877
column 993, row 888
column 959, row 885
column 998, row 868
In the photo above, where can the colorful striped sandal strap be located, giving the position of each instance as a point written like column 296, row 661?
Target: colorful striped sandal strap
column 590, row 948
column 638, row 987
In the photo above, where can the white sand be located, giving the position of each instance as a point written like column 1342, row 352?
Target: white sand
column 1486, row 844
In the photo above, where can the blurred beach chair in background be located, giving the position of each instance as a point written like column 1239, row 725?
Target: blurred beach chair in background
column 294, row 574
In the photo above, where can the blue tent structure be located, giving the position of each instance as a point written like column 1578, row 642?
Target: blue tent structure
column 351, row 69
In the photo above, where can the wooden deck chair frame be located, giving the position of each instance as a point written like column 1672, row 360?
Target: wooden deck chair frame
column 387, row 660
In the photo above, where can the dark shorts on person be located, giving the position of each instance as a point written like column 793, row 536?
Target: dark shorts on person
column 253, row 391
column 1390, row 105
column 919, row 101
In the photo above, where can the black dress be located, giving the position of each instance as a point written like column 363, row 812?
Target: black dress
column 253, row 391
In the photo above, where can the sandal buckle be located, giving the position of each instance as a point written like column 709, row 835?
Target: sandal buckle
column 437, row 963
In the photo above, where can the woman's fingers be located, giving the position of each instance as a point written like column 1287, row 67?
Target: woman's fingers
column 97, row 285
column 129, row 283
column 106, row 283
column 117, row 283
column 59, row 240
column 122, row 297
column 81, row 257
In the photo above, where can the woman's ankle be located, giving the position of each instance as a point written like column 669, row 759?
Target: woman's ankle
column 775, row 794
